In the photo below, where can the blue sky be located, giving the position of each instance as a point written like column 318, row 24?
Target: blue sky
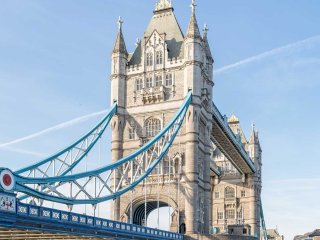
column 55, row 66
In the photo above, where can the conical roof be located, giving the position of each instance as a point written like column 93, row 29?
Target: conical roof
column 120, row 46
column 193, row 28
column 254, row 138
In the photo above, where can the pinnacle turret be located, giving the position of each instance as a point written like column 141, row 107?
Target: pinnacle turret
column 120, row 46
column 193, row 29
column 254, row 138
column 206, row 42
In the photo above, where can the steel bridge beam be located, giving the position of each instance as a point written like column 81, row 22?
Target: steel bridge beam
column 223, row 137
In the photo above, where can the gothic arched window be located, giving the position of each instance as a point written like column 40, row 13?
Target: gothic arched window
column 159, row 57
column 153, row 127
column 229, row 192
column 149, row 59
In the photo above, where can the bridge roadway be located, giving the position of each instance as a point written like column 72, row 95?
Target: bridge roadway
column 23, row 221
column 229, row 144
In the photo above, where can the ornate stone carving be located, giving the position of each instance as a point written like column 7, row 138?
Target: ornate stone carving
column 153, row 95
column 163, row 4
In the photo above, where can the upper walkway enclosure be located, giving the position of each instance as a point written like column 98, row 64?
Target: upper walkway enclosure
column 229, row 143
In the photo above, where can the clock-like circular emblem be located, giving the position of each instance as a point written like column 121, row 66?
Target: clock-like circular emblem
column 7, row 180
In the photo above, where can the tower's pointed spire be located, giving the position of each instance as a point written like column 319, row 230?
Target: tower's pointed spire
column 120, row 46
column 193, row 29
column 206, row 43
column 254, row 139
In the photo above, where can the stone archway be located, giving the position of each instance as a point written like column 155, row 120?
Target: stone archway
column 139, row 213
column 139, row 207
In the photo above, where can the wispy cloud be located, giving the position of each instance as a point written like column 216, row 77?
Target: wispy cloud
column 25, row 152
column 50, row 129
column 293, row 46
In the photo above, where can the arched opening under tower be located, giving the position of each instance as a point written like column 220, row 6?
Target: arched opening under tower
column 142, row 212
column 165, row 218
column 157, row 213
column 154, row 214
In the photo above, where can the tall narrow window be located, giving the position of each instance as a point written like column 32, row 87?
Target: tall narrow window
column 139, row 84
column 159, row 57
column 153, row 127
column 239, row 215
column 220, row 215
column 217, row 194
column 149, row 59
column 148, row 82
column 243, row 193
column 158, row 81
column 168, row 79
column 132, row 134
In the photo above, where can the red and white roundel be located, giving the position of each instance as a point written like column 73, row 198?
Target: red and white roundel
column 7, row 180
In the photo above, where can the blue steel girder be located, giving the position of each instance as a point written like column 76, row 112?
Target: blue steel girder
column 66, row 160
column 229, row 144
column 108, row 182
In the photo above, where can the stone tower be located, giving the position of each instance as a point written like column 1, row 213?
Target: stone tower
column 236, row 198
column 150, row 85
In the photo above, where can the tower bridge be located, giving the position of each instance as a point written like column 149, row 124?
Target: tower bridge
column 171, row 146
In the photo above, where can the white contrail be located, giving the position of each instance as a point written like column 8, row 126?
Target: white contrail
column 292, row 46
column 22, row 151
column 54, row 128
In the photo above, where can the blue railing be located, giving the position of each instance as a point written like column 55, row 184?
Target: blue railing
column 237, row 142
column 92, row 222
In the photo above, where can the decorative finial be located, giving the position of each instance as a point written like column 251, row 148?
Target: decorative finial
column 120, row 22
column 193, row 7
column 163, row 4
column 205, row 29
column 253, row 126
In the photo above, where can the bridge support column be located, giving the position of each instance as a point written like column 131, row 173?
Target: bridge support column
column 253, row 206
column 191, row 172
column 207, row 193
column 117, row 153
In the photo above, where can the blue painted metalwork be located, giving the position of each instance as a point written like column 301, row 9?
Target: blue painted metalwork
column 224, row 123
column 165, row 137
column 102, row 124
column 46, row 167
column 51, row 220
